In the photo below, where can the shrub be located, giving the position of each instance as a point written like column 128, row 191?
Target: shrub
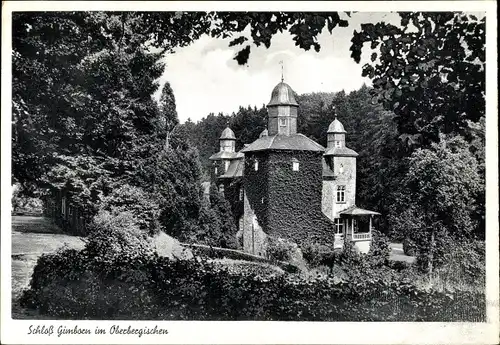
column 379, row 249
column 74, row 285
column 134, row 200
column 319, row 255
column 116, row 234
column 409, row 247
column 279, row 249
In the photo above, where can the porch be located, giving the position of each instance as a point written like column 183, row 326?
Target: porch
column 354, row 224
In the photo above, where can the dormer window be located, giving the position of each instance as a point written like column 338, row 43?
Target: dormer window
column 256, row 165
column 295, row 164
column 282, row 121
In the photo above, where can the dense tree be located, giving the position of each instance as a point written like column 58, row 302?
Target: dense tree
column 430, row 71
column 225, row 219
column 437, row 198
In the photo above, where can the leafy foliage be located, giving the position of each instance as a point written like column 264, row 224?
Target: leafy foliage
column 437, row 200
column 116, row 234
column 73, row 285
column 430, row 71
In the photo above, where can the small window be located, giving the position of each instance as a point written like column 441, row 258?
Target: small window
column 340, row 194
column 221, row 188
column 341, row 169
column 216, row 171
column 295, row 164
column 256, row 165
column 339, row 226
column 241, row 194
column 226, row 165
column 282, row 121
column 337, row 143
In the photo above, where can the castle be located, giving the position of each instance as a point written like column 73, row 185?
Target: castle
column 288, row 186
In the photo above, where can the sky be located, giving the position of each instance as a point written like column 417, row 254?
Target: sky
column 205, row 78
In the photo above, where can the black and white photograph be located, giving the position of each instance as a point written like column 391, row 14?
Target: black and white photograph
column 319, row 167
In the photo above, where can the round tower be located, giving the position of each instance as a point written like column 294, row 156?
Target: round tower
column 282, row 111
column 336, row 134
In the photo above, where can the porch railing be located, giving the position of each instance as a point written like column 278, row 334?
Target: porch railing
column 361, row 236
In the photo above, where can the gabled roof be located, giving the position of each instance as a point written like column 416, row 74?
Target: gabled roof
column 341, row 152
column 356, row 211
column 295, row 142
column 226, row 155
column 235, row 169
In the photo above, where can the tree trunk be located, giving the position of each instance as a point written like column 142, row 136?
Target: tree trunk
column 430, row 262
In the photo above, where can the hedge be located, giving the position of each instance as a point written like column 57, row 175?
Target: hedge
column 75, row 285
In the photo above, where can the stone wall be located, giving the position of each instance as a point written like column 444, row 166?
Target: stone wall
column 345, row 178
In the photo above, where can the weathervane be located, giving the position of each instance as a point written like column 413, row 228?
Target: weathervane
column 281, row 63
column 334, row 112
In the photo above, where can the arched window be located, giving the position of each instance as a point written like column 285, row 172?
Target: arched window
column 295, row 164
column 256, row 165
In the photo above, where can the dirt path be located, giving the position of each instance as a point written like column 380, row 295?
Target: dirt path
column 32, row 237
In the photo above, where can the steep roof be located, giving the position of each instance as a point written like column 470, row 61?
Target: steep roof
column 327, row 172
column 341, row 152
column 235, row 169
column 226, row 155
column 295, row 142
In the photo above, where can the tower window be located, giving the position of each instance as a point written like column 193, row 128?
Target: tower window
column 282, row 121
column 295, row 164
column 241, row 193
column 221, row 188
column 337, row 143
column 339, row 226
column 340, row 194
column 226, row 165
column 216, row 170
column 256, row 165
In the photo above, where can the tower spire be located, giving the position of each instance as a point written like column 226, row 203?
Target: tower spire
column 282, row 78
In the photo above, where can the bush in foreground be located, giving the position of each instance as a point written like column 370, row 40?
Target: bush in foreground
column 74, row 285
